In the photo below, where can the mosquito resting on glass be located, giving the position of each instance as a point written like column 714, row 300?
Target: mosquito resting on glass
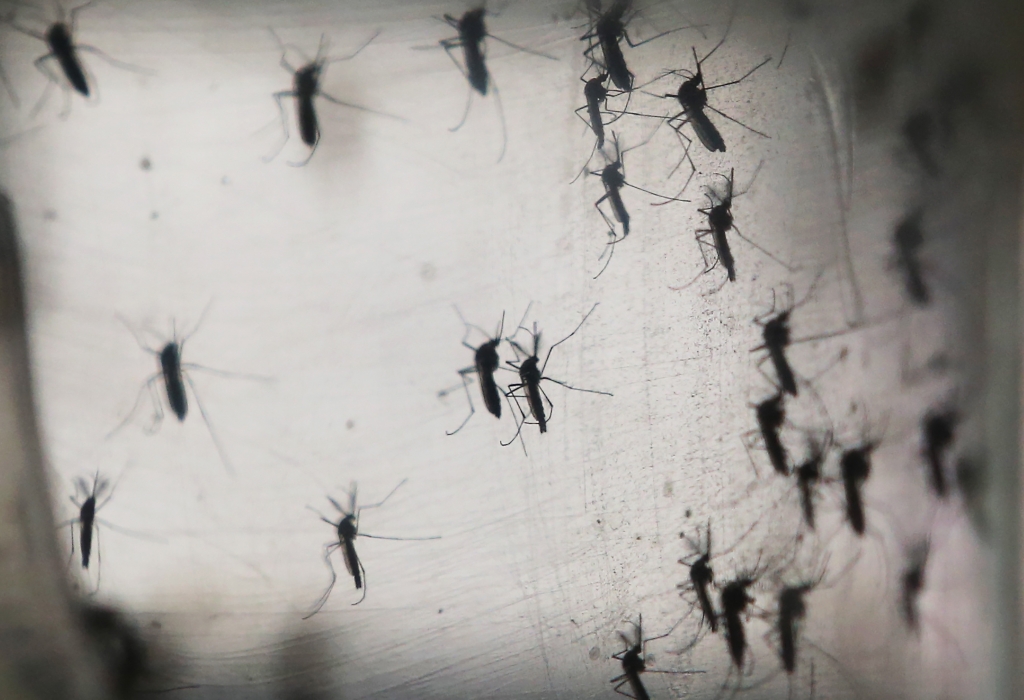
column 347, row 530
column 531, row 374
column 485, row 364
column 472, row 33
column 634, row 662
column 174, row 375
column 59, row 39
column 306, row 87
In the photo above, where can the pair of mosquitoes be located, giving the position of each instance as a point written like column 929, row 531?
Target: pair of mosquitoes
column 530, row 369
column 734, row 608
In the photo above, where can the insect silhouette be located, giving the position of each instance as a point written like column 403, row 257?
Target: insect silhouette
column 305, row 88
column 634, row 662
column 485, row 364
column 347, row 528
column 87, row 509
column 907, row 241
column 692, row 96
column 472, row 32
column 702, row 577
column 855, row 468
column 938, row 428
column 59, row 39
column 912, row 583
column 531, row 374
column 596, row 95
column 609, row 29
column 174, row 375
column 734, row 601
column 713, row 241
column 771, row 416
column 809, row 474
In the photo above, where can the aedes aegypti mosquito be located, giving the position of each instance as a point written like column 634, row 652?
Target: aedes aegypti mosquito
column 347, row 528
column 59, row 39
column 531, row 374
column 485, row 364
column 174, row 375
column 306, row 87
column 634, row 662
column 472, row 31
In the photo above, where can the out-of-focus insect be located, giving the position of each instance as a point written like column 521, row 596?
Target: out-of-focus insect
column 906, row 258
column 305, row 88
column 810, row 474
column 531, row 374
column 347, row 529
column 64, row 50
column 472, row 33
column 485, row 364
column 912, row 583
column 771, row 416
column 634, row 660
column 938, row 433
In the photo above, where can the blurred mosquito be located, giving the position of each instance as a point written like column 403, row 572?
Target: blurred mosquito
column 938, row 430
column 634, row 660
column 485, row 364
column 912, row 583
column 472, row 33
column 347, row 528
column 771, row 417
column 531, row 374
column 174, row 375
column 596, row 95
column 59, row 39
column 810, row 474
column 906, row 258
column 305, row 87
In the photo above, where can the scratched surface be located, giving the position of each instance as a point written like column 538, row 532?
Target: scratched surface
column 334, row 285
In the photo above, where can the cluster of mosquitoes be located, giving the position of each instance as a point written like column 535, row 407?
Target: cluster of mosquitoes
column 725, row 604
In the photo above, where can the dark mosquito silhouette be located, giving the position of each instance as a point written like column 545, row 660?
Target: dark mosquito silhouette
column 938, row 431
column 634, row 662
column 906, row 258
column 912, row 583
column 347, row 528
column 692, row 96
column 810, row 474
column 596, row 94
column 771, row 416
column 718, row 250
column 305, row 88
column 609, row 29
column 734, row 601
column 531, row 374
column 59, row 39
column 855, row 468
column 702, row 577
column 485, row 364
column 87, row 510
column 472, row 33
column 174, row 375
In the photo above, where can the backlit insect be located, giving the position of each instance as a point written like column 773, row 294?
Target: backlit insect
column 938, row 429
column 906, row 258
column 531, row 374
column 734, row 600
column 776, row 339
column 771, row 416
column 59, row 39
column 87, row 510
column 174, row 375
column 485, row 364
column 596, row 94
column 855, row 468
column 809, row 474
column 634, row 662
column 702, row 577
column 692, row 96
column 347, row 528
column 912, row 583
column 472, row 33
column 610, row 29
column 305, row 88
column 718, row 249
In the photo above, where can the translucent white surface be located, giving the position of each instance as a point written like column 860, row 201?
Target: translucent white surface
column 337, row 281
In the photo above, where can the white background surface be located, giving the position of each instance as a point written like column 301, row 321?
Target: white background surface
column 337, row 280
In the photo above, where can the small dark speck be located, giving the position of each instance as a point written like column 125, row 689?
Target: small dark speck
column 50, row 214
column 688, row 512
column 145, row 164
column 440, row 610
column 154, row 216
column 428, row 272
column 350, row 424
column 638, row 538
column 598, row 522
column 595, row 653
column 225, row 180
column 155, row 624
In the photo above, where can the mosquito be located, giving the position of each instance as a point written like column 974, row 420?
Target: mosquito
column 305, row 87
column 596, row 94
column 174, row 375
column 907, row 241
column 855, row 467
column 472, row 31
column 912, row 583
column 531, row 374
column 634, row 662
column 809, row 474
column 347, row 528
column 59, row 39
column 771, row 416
column 485, row 364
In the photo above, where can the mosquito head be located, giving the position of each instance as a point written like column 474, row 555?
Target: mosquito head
column 771, row 413
column 855, row 464
column 734, row 595
column 487, row 354
column 938, row 428
column 594, row 90
column 347, row 528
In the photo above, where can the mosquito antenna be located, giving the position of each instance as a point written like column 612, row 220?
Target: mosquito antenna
column 544, row 366
column 354, row 53
column 738, row 80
